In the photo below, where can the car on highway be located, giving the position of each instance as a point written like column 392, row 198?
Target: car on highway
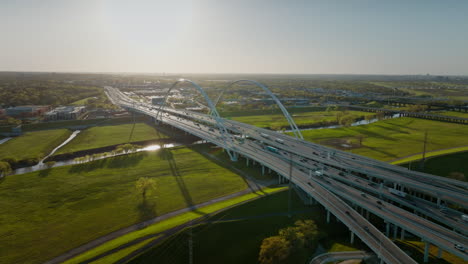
column 459, row 247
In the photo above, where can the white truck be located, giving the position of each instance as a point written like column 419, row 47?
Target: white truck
column 397, row 192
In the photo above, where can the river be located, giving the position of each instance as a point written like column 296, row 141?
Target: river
column 42, row 166
column 357, row 123
column 4, row 140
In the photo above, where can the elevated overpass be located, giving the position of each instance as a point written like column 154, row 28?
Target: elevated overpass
column 342, row 182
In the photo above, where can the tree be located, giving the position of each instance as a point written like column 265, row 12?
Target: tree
column 347, row 120
column 360, row 138
column 293, row 236
column 4, row 168
column 309, row 231
column 144, row 184
column 274, row 250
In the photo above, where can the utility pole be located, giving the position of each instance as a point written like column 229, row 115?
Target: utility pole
column 421, row 165
column 190, row 243
column 290, row 186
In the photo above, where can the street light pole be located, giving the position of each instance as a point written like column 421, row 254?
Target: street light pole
column 290, row 186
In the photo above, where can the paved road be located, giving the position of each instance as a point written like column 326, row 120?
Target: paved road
column 339, row 256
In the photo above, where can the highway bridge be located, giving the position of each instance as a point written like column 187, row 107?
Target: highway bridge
column 349, row 186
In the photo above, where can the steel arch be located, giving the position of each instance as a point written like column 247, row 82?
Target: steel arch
column 225, row 135
column 286, row 114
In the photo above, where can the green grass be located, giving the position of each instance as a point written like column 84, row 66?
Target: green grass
column 237, row 236
column 453, row 113
column 301, row 119
column 114, row 257
column 82, row 101
column 46, row 213
column 33, row 145
column 444, row 165
column 339, row 247
column 169, row 223
column 394, row 138
column 103, row 136
column 434, row 153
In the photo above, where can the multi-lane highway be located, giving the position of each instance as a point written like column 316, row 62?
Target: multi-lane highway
column 338, row 180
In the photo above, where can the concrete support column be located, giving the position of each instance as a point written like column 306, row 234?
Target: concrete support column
column 426, row 252
column 328, row 216
column 352, row 237
column 263, row 170
column 395, row 231
column 387, row 229
column 247, row 162
column 439, row 253
column 402, row 236
column 367, row 214
column 438, row 201
column 269, row 170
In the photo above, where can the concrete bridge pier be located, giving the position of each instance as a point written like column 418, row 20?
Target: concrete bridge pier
column 402, row 235
column 328, row 216
column 387, row 229
column 352, row 237
column 426, row 252
column 395, row 231
column 263, row 170
column 247, row 162
column 439, row 253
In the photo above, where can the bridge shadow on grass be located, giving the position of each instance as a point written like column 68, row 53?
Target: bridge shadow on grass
column 373, row 134
column 123, row 161
column 166, row 154
column 393, row 128
column 383, row 152
column 226, row 163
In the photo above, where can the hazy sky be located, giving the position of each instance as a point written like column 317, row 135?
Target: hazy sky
column 238, row 36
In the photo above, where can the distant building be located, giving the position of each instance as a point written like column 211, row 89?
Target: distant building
column 24, row 111
column 65, row 113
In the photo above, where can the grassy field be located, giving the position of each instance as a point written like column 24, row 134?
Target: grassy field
column 48, row 212
column 82, row 101
column 453, row 113
column 153, row 231
column 235, row 236
column 102, row 136
column 276, row 121
column 33, row 145
column 444, row 165
column 393, row 138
